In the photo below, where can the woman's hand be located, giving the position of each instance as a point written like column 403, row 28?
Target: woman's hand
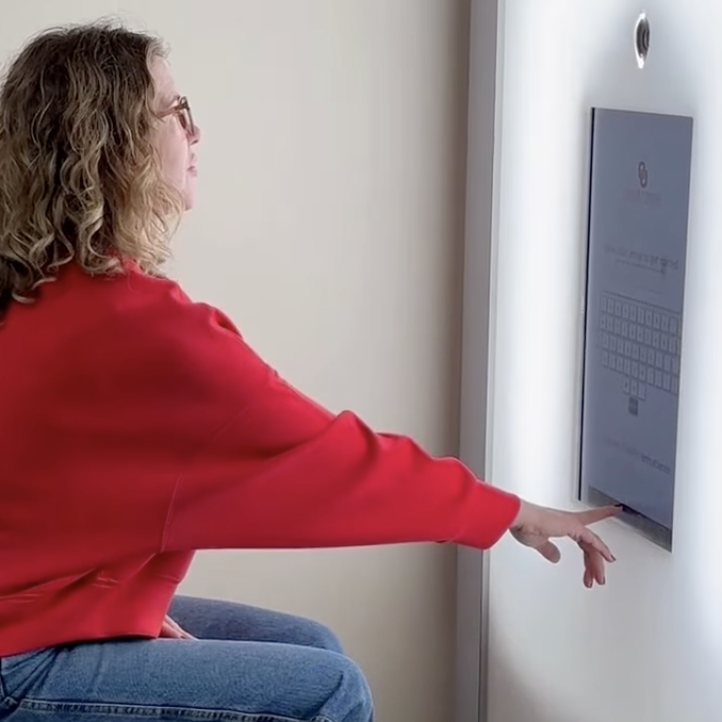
column 535, row 525
column 171, row 630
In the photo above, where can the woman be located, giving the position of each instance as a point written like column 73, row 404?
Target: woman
column 138, row 427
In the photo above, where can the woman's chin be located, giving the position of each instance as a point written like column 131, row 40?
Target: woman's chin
column 189, row 199
column 189, row 194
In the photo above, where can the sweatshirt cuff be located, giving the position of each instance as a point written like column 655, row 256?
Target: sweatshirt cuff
column 488, row 516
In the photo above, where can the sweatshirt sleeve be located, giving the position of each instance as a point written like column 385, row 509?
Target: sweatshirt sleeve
column 281, row 471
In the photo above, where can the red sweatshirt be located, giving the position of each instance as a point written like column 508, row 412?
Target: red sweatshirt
column 137, row 427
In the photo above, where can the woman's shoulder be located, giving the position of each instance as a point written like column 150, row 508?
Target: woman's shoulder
column 128, row 297
column 129, row 312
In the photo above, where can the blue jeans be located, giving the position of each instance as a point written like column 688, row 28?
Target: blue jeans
column 248, row 665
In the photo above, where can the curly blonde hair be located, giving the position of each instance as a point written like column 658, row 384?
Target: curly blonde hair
column 79, row 177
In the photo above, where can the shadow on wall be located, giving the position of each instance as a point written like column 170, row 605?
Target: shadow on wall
column 519, row 698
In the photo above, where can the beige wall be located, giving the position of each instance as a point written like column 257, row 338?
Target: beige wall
column 329, row 226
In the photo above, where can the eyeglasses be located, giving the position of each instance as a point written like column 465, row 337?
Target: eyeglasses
column 183, row 110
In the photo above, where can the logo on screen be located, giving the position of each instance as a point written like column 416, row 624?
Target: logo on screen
column 640, row 194
column 643, row 174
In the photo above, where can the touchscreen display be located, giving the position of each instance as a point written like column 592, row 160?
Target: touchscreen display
column 637, row 236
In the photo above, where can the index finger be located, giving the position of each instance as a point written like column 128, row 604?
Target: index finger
column 592, row 516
